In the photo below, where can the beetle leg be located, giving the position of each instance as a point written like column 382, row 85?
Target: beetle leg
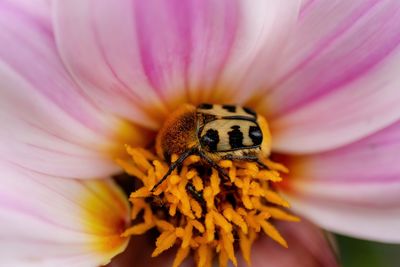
column 214, row 165
column 259, row 162
column 173, row 166
column 196, row 195
column 247, row 158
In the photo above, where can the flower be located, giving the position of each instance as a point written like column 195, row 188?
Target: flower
column 210, row 216
column 81, row 79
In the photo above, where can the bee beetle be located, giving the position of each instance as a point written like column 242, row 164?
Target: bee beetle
column 214, row 132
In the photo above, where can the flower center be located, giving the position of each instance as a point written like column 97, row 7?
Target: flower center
column 205, row 208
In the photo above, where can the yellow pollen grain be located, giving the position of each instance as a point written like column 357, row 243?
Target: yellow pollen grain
column 275, row 198
column 198, row 183
column 191, row 174
column 281, row 214
column 137, row 206
column 214, row 180
column 199, row 226
column 174, row 179
column 187, row 235
column 208, row 196
column 270, row 230
column 276, row 166
column 210, row 227
column 223, row 258
column 181, row 255
column 220, row 220
column 269, row 175
column 196, row 208
column 165, row 241
column 217, row 215
column 234, row 217
column 142, row 192
column 139, row 158
column 227, row 243
column 165, row 226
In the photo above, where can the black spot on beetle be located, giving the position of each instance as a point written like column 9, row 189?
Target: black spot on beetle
column 205, row 106
column 250, row 111
column 255, row 135
column 229, row 108
column 210, row 140
column 235, row 137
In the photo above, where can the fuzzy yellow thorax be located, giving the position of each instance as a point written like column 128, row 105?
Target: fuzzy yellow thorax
column 230, row 212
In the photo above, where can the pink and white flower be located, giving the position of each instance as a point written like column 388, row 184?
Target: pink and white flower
column 79, row 79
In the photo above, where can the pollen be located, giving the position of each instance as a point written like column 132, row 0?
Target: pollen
column 201, row 213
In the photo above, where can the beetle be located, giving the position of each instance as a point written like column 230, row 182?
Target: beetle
column 214, row 132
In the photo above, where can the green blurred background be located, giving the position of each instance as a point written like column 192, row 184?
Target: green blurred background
column 361, row 253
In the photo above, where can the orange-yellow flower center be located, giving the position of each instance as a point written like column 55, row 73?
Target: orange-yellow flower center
column 198, row 211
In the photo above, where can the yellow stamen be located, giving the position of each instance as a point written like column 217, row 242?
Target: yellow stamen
column 181, row 255
column 210, row 220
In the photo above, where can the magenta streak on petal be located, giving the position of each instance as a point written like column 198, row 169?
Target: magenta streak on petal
column 212, row 48
column 183, row 17
column 375, row 57
column 55, row 151
column 305, row 7
column 46, row 130
column 42, row 25
column 126, row 92
column 232, row 26
column 160, row 49
column 324, row 43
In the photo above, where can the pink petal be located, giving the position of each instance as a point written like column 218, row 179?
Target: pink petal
column 352, row 190
column 142, row 54
column 307, row 246
column 37, row 9
column 262, row 32
column 55, row 221
column 338, row 78
column 48, row 124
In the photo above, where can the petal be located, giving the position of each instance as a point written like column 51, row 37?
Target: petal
column 49, row 125
column 39, row 10
column 353, row 190
column 307, row 245
column 338, row 78
column 97, row 41
column 146, row 53
column 262, row 32
column 55, row 221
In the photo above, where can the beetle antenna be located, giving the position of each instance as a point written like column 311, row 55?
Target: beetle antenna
column 173, row 166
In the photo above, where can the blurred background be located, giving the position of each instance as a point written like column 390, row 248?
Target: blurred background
column 361, row 253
